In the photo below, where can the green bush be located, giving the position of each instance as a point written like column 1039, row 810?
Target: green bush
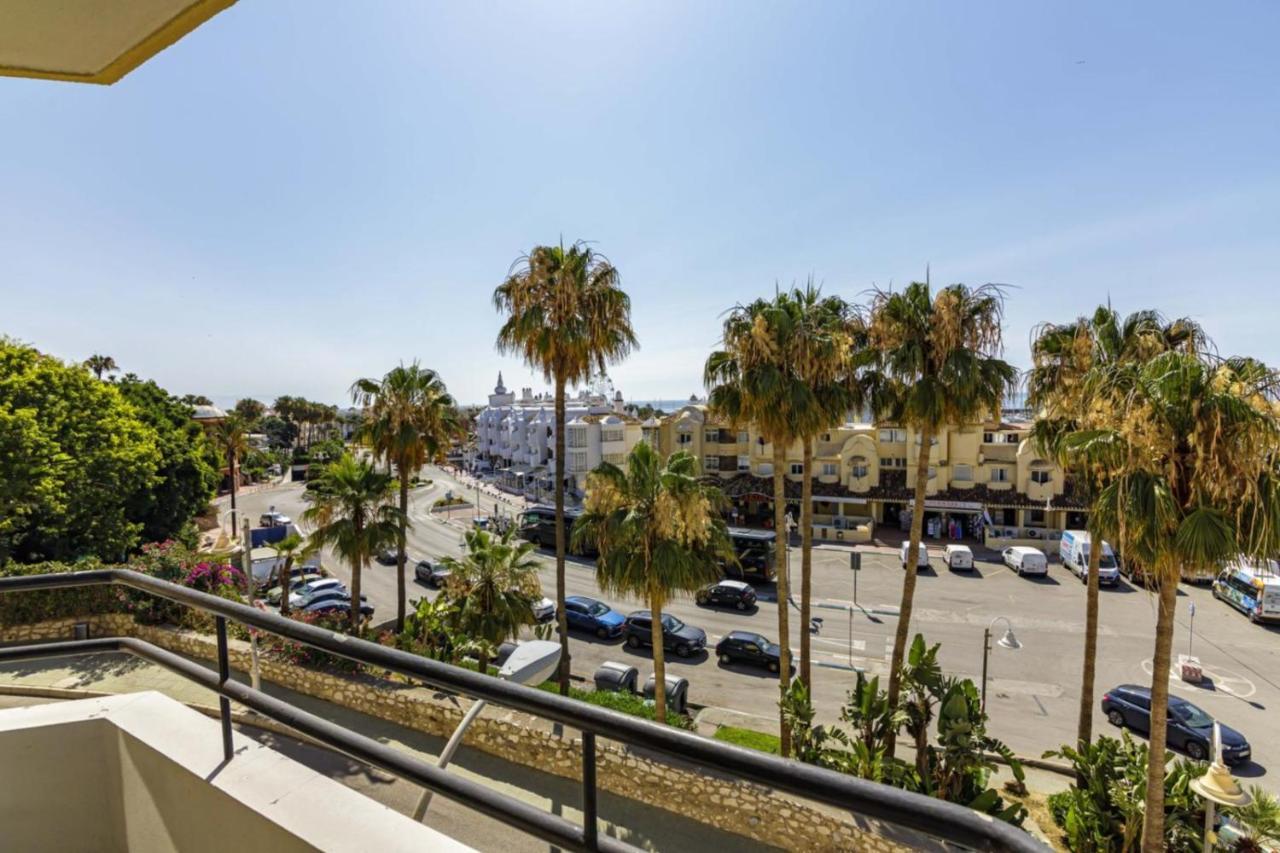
column 624, row 703
column 750, row 739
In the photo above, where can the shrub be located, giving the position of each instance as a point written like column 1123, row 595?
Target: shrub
column 750, row 739
column 624, row 703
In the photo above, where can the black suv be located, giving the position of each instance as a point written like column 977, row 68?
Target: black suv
column 684, row 640
column 728, row 593
column 1188, row 728
column 746, row 647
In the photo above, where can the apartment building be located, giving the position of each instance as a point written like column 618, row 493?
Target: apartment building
column 986, row 480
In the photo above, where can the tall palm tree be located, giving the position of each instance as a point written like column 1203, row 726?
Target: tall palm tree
column 1068, row 360
column 754, row 379
column 353, row 513
column 232, row 438
column 409, row 421
column 1199, row 486
column 494, row 585
column 659, row 531
column 101, row 364
column 567, row 317
column 938, row 363
column 289, row 548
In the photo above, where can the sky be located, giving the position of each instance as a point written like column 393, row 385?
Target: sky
column 299, row 194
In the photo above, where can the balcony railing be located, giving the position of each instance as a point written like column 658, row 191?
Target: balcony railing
column 942, row 820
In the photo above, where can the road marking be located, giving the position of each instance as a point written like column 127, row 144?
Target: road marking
column 1216, row 680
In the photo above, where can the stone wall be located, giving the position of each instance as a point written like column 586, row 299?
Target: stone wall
column 725, row 802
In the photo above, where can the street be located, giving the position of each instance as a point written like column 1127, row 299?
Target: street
column 1033, row 693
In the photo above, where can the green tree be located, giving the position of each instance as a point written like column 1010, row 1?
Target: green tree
column 409, row 421
column 232, row 440
column 185, row 481
column 249, row 410
column 289, row 549
column 101, row 364
column 938, row 363
column 493, row 585
column 71, row 450
column 280, row 433
column 352, row 512
column 1198, row 486
column 565, row 316
column 1068, row 360
column 659, row 531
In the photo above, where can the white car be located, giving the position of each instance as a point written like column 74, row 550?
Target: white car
column 310, row 590
column 1025, row 560
column 274, row 519
column 544, row 610
column 922, row 556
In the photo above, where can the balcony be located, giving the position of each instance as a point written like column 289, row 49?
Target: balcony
column 630, row 752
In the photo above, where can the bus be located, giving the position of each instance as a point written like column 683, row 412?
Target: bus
column 757, row 557
column 538, row 525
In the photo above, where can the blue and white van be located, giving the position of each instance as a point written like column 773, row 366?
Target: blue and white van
column 1253, row 590
column 1074, row 549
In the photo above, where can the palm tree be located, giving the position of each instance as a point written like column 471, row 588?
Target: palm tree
column 938, row 363
column 659, row 531
column 353, row 513
column 755, row 379
column 567, row 317
column 494, row 586
column 101, row 364
column 289, row 549
column 1199, row 485
column 409, row 421
column 1064, row 357
column 232, row 438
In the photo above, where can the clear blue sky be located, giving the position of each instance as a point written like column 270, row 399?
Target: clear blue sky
column 301, row 193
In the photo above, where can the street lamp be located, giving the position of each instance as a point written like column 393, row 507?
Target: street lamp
column 1218, row 788
column 1008, row 641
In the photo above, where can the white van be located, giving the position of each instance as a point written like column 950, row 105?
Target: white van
column 922, row 559
column 1026, row 561
column 1074, row 549
column 958, row 558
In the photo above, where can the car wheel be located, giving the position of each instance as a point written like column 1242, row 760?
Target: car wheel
column 773, row 666
column 725, row 660
column 1196, row 750
column 701, row 600
column 682, row 650
column 742, row 605
column 633, row 641
column 602, row 633
column 1116, row 718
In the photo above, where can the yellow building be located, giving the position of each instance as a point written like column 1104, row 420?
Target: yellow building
column 979, row 473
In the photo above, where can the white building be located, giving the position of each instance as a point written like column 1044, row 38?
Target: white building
column 515, row 437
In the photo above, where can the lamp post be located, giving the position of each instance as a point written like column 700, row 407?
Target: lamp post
column 1008, row 641
column 1218, row 788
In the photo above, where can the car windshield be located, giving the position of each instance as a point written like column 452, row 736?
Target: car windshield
column 599, row 609
column 671, row 623
column 1190, row 715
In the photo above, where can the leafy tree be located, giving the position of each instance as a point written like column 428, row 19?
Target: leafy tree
column 409, row 421
column 352, row 513
column 249, row 410
column 280, row 433
column 185, row 480
column 1260, row 819
column 232, row 440
column 196, row 400
column 289, row 549
column 659, row 532
column 938, row 363
column 101, row 364
column 493, row 585
column 70, row 449
column 566, row 316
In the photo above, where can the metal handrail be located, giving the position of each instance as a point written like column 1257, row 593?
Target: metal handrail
column 937, row 818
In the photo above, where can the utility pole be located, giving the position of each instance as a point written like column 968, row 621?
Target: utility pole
column 255, row 677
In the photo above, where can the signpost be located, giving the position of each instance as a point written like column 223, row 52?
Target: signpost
column 855, row 563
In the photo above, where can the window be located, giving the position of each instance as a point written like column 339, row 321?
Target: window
column 743, row 438
column 1035, row 516
column 829, row 469
column 684, row 438
column 1000, row 475
column 577, row 437
column 1041, row 477
column 613, row 434
column 962, row 473
column 578, row 460
column 615, row 458
column 898, row 435
column 858, row 466
column 711, row 463
column 933, row 442
column 797, row 469
column 933, row 472
column 744, row 463
column 826, row 436
column 988, row 438
column 711, row 436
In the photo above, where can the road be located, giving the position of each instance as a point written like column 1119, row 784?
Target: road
column 1033, row 693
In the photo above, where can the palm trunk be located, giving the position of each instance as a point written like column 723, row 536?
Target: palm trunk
column 400, row 557
column 482, row 663
column 784, row 624
column 562, row 619
column 1084, row 730
column 1153, row 818
column 806, row 559
column 659, row 661
column 909, row 578
column 231, row 464
column 357, row 566
column 284, row 586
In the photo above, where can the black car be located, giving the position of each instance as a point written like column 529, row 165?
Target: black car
column 387, row 556
column 746, row 647
column 1189, row 728
column 728, row 594
column 336, row 606
column 432, row 574
column 684, row 640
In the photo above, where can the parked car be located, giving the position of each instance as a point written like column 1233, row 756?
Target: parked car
column 1253, row 590
column 544, row 609
column 274, row 519
column 684, row 640
column 433, row 574
column 480, row 522
column 959, row 558
column 337, row 607
column 274, row 594
column 1189, row 728
column 1074, row 548
column 310, row 590
column 727, row 593
column 1025, row 560
column 922, row 557
column 588, row 614
column 748, row 647
column 387, row 556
